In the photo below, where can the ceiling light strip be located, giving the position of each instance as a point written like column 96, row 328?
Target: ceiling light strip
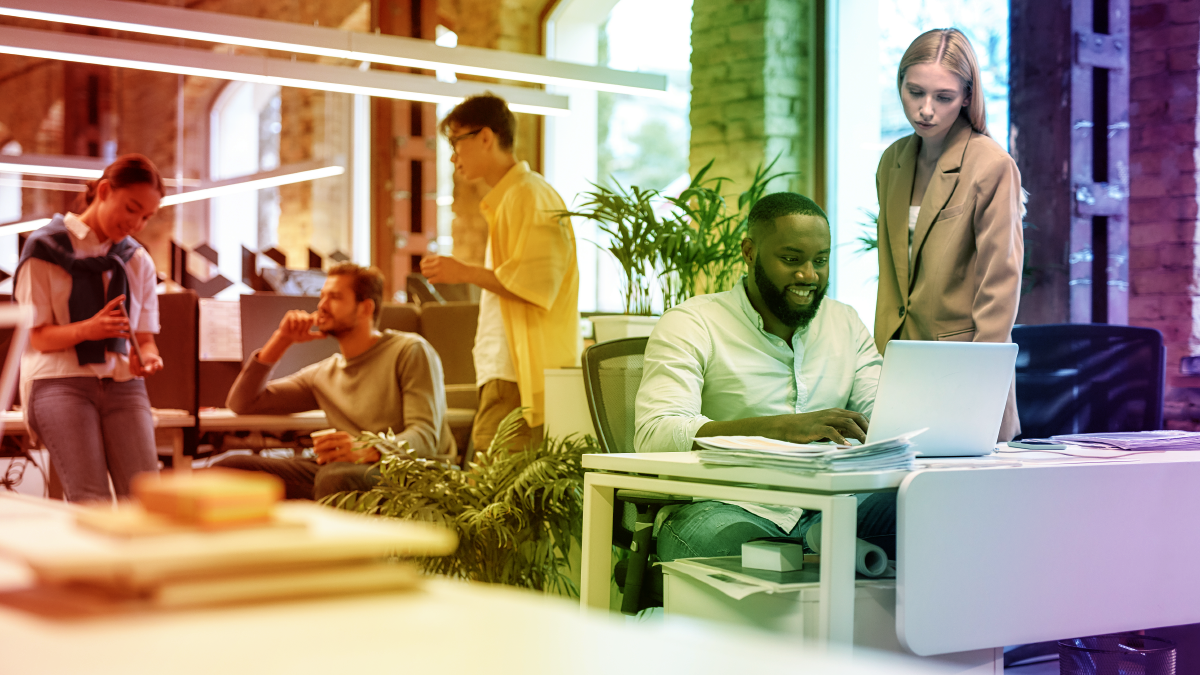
column 27, row 226
column 281, row 72
column 195, row 24
column 250, row 185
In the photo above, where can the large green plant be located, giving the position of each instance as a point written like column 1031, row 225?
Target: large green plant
column 694, row 247
column 627, row 216
column 700, row 247
column 516, row 513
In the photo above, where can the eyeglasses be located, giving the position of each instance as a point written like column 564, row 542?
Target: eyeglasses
column 455, row 139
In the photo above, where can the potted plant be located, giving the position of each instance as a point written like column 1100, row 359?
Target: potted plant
column 517, row 514
column 695, row 247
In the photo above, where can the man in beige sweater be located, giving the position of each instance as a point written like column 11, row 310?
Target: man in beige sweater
column 381, row 380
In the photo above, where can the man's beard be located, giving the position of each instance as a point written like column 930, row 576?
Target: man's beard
column 338, row 328
column 777, row 301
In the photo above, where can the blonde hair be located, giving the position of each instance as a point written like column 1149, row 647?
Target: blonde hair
column 948, row 47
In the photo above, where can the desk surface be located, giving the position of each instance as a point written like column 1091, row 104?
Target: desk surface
column 1047, row 551
column 509, row 631
column 686, row 465
column 164, row 418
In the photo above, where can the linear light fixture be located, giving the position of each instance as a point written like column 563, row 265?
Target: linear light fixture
column 66, row 166
column 284, row 175
column 203, row 63
column 195, row 24
column 27, row 226
column 243, row 185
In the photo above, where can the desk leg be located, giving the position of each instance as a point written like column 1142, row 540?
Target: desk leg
column 597, row 544
column 839, row 530
column 180, row 462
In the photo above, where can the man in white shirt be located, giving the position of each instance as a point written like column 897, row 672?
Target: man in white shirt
column 773, row 357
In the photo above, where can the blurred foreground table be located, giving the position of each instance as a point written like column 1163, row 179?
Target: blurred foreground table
column 442, row 627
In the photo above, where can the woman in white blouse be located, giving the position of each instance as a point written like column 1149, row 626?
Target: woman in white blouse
column 91, row 286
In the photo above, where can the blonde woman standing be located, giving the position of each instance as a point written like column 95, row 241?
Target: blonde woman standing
column 950, row 208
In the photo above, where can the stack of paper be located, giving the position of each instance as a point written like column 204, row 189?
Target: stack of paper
column 766, row 453
column 1136, row 441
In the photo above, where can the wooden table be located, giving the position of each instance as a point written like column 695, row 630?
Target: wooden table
column 171, row 422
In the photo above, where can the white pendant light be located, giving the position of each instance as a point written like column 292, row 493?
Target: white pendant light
column 231, row 29
column 203, row 63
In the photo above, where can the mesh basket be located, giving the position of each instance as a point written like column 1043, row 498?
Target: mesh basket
column 1120, row 654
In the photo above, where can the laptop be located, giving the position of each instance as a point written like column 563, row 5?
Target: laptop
column 956, row 389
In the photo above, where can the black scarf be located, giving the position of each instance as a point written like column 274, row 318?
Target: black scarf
column 52, row 243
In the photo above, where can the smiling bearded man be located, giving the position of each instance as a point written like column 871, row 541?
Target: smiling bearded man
column 772, row 357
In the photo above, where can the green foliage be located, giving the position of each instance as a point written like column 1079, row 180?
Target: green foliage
column 696, row 247
column 516, row 513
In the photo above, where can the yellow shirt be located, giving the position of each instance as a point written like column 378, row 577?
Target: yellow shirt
column 533, row 253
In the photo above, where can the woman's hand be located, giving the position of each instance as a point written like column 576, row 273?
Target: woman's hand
column 153, row 364
column 109, row 322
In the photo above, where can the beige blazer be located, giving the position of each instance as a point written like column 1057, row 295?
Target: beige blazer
column 967, row 252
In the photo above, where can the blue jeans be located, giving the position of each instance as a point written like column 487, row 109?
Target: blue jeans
column 94, row 428
column 305, row 479
column 710, row 528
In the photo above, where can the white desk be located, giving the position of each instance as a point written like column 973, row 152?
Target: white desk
column 173, row 422
column 680, row 473
column 1012, row 555
column 443, row 627
column 987, row 556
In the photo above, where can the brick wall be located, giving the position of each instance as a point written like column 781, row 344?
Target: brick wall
column 752, row 88
column 1164, row 267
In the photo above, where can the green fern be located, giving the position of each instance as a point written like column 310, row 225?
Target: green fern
column 516, row 513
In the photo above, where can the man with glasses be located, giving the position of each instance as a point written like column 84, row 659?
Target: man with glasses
column 529, row 307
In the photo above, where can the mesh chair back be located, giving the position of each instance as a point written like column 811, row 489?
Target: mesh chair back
column 612, row 373
column 1088, row 378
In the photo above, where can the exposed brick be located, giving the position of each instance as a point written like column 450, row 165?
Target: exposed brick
column 1148, row 16
column 1183, row 12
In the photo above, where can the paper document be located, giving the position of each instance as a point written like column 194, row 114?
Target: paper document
column 220, row 330
column 1136, row 441
column 757, row 451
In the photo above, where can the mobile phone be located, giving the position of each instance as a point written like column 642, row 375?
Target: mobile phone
column 137, row 349
column 1037, row 444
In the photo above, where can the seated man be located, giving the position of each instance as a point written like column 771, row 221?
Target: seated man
column 773, row 358
column 379, row 381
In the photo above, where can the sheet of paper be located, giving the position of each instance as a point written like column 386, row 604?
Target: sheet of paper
column 220, row 330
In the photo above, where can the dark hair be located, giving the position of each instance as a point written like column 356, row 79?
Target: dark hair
column 484, row 110
column 773, row 206
column 367, row 281
column 128, row 170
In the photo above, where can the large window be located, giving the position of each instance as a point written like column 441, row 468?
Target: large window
column 636, row 140
column 864, row 121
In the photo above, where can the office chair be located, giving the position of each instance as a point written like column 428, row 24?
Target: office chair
column 1086, row 378
column 612, row 373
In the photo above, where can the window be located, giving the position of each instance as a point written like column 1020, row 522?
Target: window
column 637, row 140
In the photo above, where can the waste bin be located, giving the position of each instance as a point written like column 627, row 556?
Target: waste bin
column 1118, row 654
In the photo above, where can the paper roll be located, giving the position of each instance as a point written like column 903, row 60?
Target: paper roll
column 869, row 559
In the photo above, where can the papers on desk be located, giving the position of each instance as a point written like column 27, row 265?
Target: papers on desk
column 766, row 453
column 1135, row 441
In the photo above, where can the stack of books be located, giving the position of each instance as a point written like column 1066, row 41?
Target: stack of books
column 766, row 453
column 1135, row 441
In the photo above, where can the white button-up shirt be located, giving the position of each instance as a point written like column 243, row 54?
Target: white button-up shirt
column 46, row 288
column 711, row 359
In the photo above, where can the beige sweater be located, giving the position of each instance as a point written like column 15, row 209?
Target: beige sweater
column 397, row 384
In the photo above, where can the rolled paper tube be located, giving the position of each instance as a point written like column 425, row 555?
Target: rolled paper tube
column 869, row 559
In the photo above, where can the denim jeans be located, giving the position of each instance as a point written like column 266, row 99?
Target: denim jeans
column 94, row 428
column 304, row 478
column 711, row 528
